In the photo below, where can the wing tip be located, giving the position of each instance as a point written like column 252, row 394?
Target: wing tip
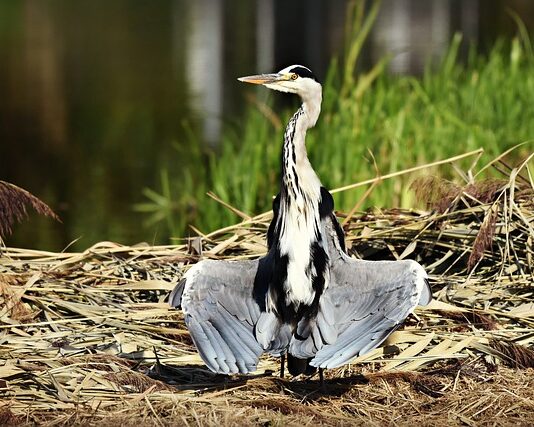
column 175, row 297
column 426, row 293
column 422, row 283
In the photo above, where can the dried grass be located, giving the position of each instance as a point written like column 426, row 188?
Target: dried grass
column 88, row 338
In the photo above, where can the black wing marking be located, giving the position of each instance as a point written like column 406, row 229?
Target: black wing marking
column 272, row 226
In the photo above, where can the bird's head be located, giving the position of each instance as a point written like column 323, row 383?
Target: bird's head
column 293, row 79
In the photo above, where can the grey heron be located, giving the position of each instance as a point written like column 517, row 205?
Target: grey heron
column 306, row 298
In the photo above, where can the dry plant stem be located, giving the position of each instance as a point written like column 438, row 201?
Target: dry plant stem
column 88, row 338
column 365, row 195
column 375, row 181
column 243, row 215
column 410, row 170
column 359, row 203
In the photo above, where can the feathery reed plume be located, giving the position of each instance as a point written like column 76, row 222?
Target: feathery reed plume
column 484, row 239
column 437, row 193
column 441, row 195
column 13, row 203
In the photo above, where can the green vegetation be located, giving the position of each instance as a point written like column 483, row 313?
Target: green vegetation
column 371, row 123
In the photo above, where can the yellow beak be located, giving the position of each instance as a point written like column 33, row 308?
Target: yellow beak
column 262, row 79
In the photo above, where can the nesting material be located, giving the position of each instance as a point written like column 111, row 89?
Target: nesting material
column 89, row 338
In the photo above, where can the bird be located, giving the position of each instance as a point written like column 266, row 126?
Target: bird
column 306, row 298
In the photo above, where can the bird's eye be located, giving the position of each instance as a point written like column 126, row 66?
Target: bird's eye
column 294, row 76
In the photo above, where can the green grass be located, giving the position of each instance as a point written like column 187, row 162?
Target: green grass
column 395, row 121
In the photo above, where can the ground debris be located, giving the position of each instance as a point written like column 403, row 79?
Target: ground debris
column 88, row 338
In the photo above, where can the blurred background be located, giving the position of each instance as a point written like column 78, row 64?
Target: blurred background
column 121, row 115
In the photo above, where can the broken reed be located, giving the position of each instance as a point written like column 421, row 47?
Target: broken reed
column 90, row 337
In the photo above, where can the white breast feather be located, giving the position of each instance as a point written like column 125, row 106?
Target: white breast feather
column 300, row 218
column 299, row 231
column 295, row 242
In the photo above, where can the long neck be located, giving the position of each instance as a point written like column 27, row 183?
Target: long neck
column 297, row 172
column 300, row 266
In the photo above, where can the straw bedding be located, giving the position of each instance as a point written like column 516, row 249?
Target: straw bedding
column 88, row 337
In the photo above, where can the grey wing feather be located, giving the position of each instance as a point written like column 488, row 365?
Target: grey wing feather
column 220, row 312
column 364, row 303
column 369, row 300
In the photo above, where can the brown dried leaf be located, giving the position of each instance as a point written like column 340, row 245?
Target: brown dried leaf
column 516, row 356
column 11, row 305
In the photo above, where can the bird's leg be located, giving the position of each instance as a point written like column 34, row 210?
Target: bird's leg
column 321, row 379
column 282, row 365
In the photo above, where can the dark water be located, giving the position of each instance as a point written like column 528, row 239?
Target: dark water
column 96, row 98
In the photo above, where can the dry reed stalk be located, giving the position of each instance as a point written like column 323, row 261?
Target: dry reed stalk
column 89, row 338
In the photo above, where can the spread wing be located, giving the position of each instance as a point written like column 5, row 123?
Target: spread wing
column 223, row 305
column 363, row 304
column 366, row 302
